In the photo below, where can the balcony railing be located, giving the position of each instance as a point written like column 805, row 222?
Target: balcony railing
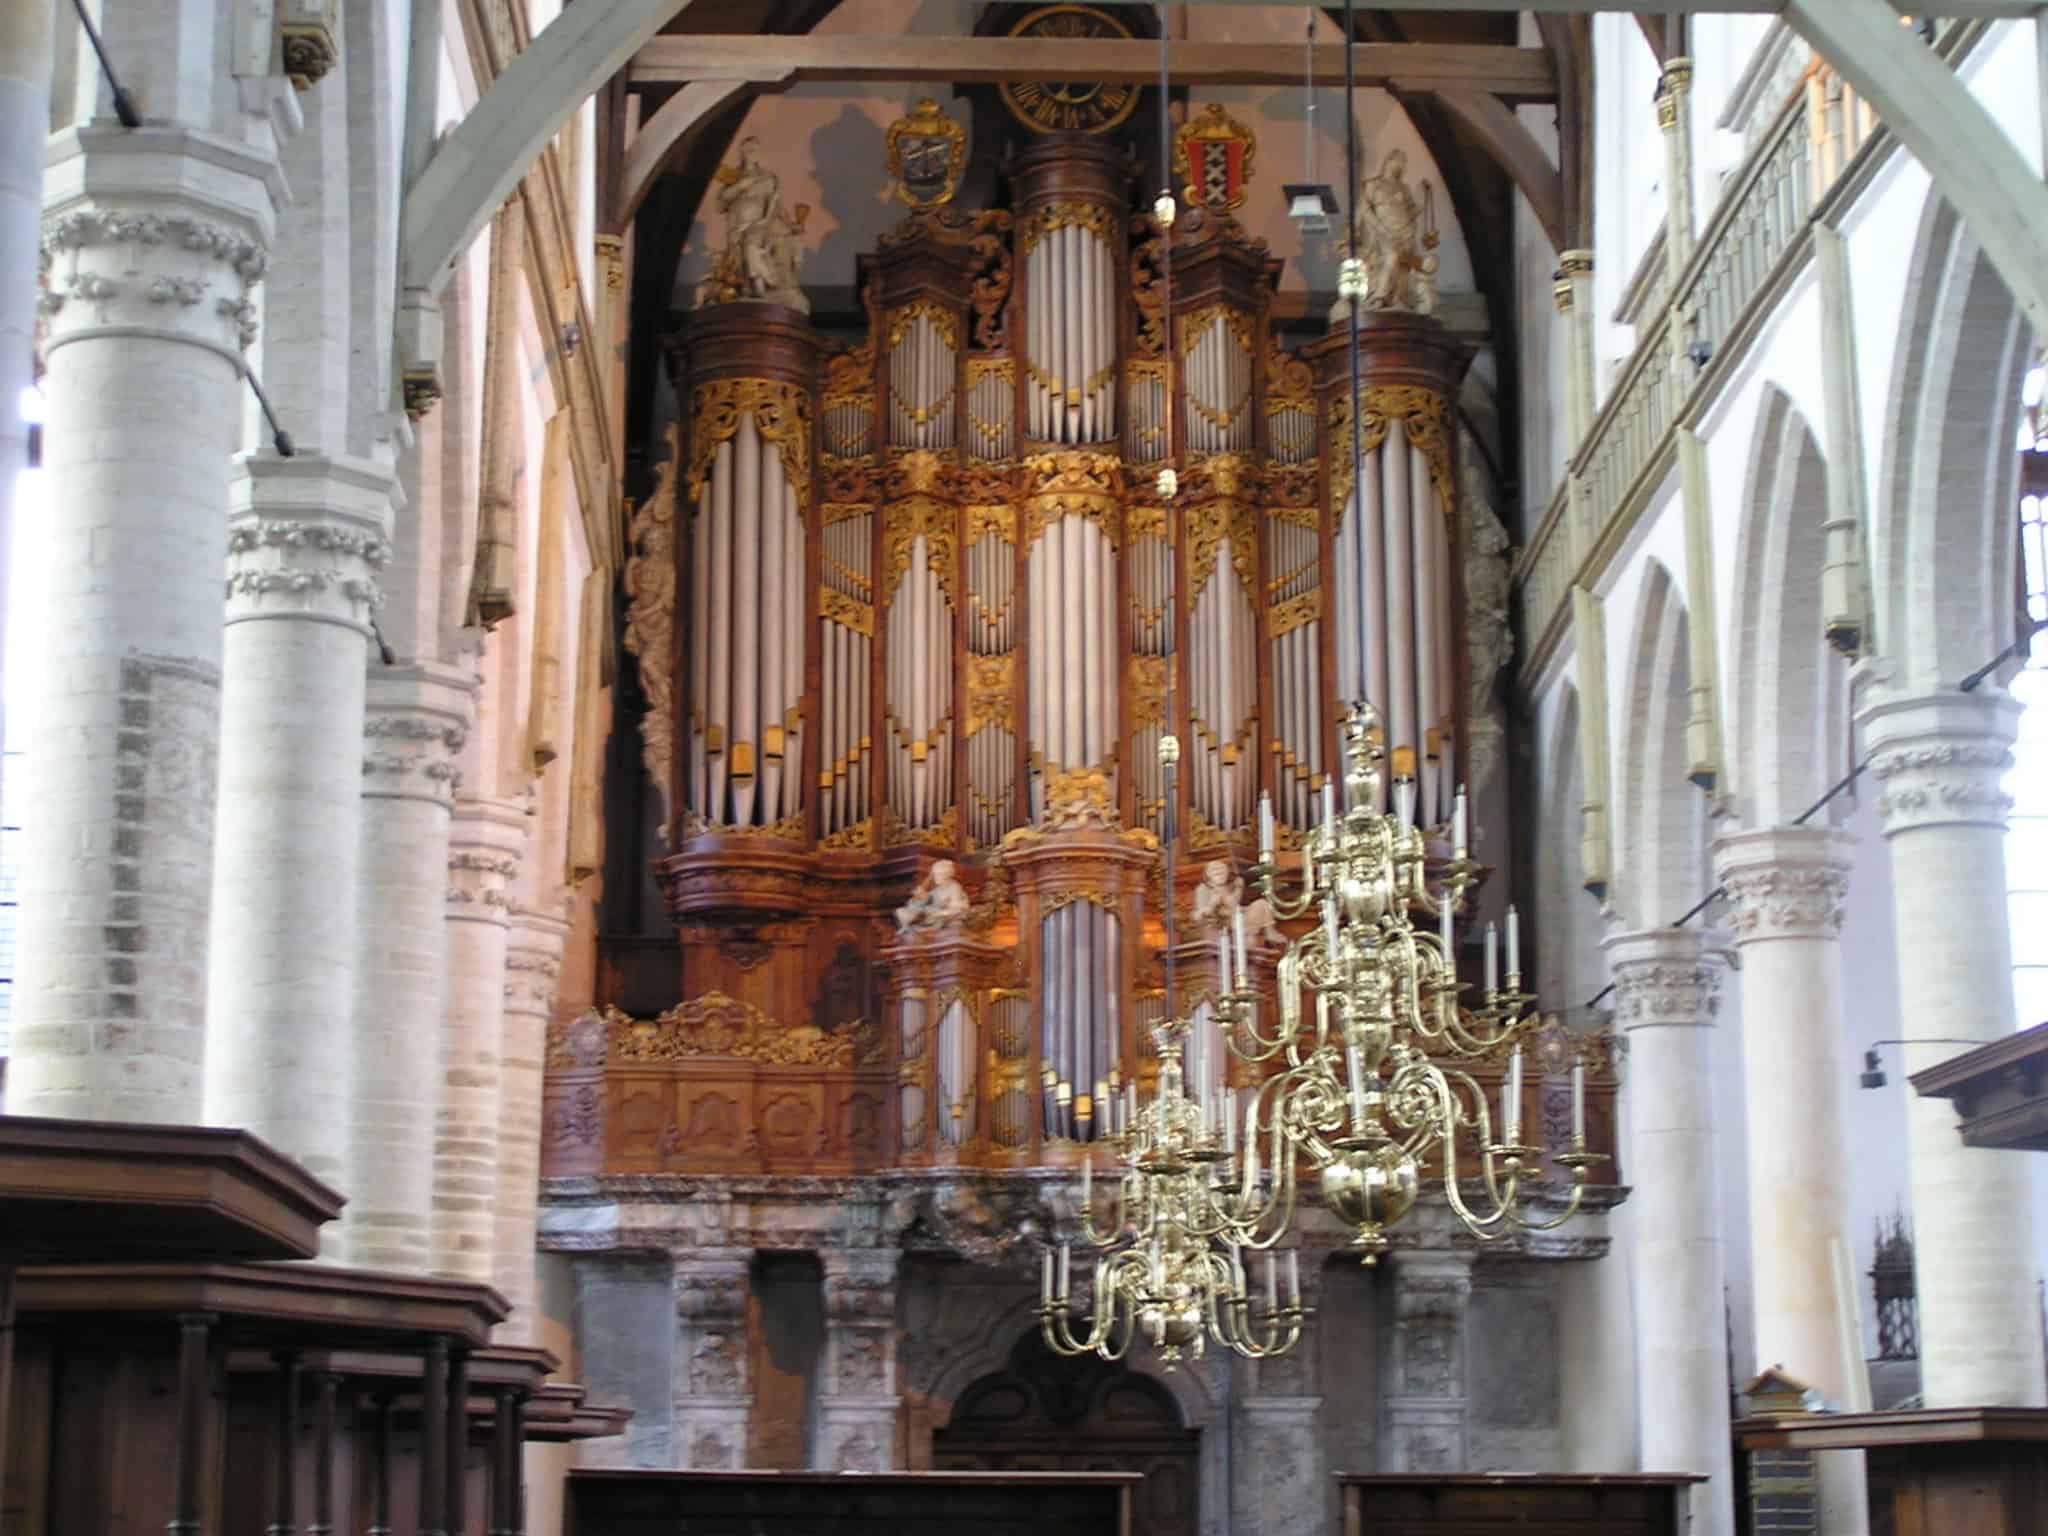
column 1757, row 239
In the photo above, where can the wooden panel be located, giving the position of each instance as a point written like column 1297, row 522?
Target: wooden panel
column 900, row 1504
column 1525, row 1506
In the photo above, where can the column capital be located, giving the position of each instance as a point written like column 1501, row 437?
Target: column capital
column 1431, row 1284
column 157, row 231
column 1784, row 882
column 1941, row 758
column 533, row 960
column 306, row 538
column 416, row 721
column 1663, row 976
column 486, row 841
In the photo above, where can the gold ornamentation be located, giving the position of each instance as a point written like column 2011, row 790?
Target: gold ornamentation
column 1148, row 691
column 1212, row 156
column 1148, row 289
column 1004, row 371
column 1424, row 416
column 991, row 693
column 846, row 612
column 1093, row 217
column 942, row 833
column 696, row 824
column 782, row 415
column 1081, row 798
column 937, row 315
column 1068, row 106
column 716, row 1025
column 1000, row 521
column 1286, row 617
column 927, row 152
column 650, row 583
column 902, row 522
column 858, row 838
column 1210, row 522
column 1072, row 483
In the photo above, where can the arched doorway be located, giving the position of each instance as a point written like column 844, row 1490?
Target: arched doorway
column 1043, row 1413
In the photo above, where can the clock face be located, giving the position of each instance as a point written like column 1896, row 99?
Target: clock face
column 1070, row 106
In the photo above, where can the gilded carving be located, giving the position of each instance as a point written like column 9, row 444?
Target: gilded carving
column 1211, row 522
column 1093, row 217
column 902, row 522
column 782, row 415
column 1423, row 414
column 716, row 1025
column 847, row 612
column 1074, row 483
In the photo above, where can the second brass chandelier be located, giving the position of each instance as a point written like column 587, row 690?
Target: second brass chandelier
column 1368, row 1096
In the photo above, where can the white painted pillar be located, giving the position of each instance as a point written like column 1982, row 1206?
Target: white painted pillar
column 1666, row 992
column 533, row 973
column 484, row 847
column 306, row 538
column 861, row 1404
column 25, row 66
column 1785, row 887
column 1940, row 759
column 417, row 720
column 155, row 239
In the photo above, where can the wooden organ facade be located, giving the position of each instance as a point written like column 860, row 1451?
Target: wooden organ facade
column 917, row 600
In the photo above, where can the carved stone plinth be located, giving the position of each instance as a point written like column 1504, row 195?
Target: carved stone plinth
column 714, row 1393
column 1427, row 1398
column 859, row 1406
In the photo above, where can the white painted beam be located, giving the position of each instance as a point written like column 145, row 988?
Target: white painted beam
column 1973, row 164
column 479, row 164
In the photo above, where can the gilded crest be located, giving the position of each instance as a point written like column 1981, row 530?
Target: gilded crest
column 1212, row 157
column 927, row 152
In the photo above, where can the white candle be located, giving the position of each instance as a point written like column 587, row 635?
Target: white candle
column 1064, row 1291
column 1511, row 1106
column 1045, row 1275
column 1222, row 962
column 1266, row 827
column 1458, row 824
column 1229, row 1123
column 1514, row 945
column 1404, row 802
column 1272, row 1285
column 1293, row 1277
column 1330, row 926
column 1445, row 903
column 1237, row 935
column 1578, row 1104
column 1330, row 809
column 1492, row 960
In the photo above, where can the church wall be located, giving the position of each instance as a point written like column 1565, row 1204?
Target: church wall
column 625, row 1328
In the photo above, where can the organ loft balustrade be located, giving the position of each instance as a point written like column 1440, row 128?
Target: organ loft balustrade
column 904, row 611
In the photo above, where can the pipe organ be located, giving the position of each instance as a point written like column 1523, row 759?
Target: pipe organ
column 934, row 596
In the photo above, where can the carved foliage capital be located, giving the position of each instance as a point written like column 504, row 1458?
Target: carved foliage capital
column 155, row 270
column 1941, row 783
column 285, row 567
column 1785, row 901
column 1666, row 992
column 412, row 753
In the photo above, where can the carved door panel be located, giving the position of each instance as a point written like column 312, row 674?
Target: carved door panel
column 1045, row 1414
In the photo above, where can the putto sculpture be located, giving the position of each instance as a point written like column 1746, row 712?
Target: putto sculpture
column 940, row 901
column 763, row 242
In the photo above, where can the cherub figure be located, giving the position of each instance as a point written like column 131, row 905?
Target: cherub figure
column 1219, row 898
column 939, row 901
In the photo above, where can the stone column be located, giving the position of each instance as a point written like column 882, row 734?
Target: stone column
column 418, row 718
column 713, row 1395
column 1784, row 887
column 484, row 848
column 1941, row 758
column 1280, row 1478
column 306, row 537
column 1667, row 990
column 1426, row 1392
column 533, row 972
column 154, row 240
column 860, row 1407
column 24, row 124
